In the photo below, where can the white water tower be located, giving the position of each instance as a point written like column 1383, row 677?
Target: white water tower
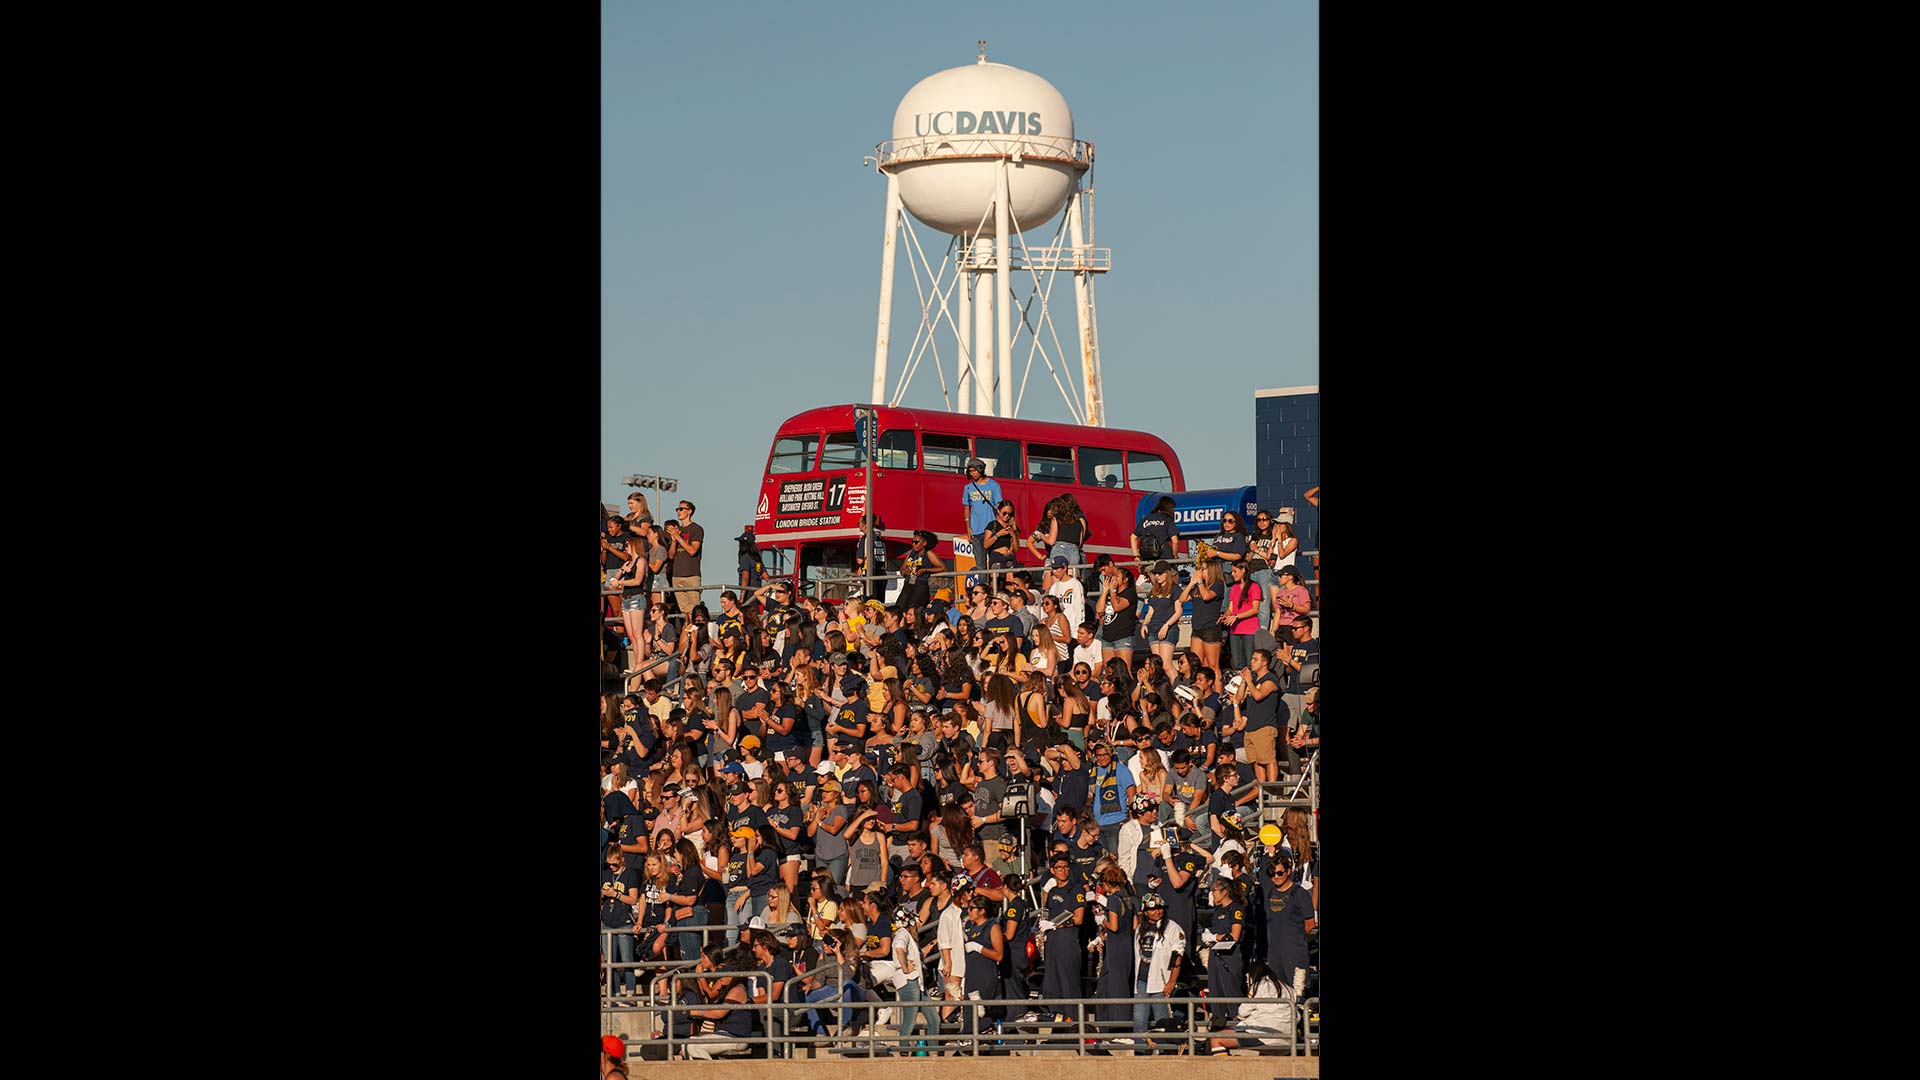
column 985, row 153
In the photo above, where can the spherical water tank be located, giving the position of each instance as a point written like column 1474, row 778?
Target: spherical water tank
column 954, row 125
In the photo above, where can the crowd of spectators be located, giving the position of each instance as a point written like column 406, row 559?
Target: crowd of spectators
column 1034, row 791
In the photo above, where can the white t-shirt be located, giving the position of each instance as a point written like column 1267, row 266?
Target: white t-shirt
column 1073, row 601
column 953, row 939
column 1092, row 655
column 1131, row 835
column 906, row 950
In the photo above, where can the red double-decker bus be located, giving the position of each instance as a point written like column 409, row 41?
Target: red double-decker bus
column 814, row 491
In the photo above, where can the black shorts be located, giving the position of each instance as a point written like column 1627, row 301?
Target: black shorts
column 1210, row 634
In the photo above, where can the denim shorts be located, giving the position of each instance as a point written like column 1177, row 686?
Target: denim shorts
column 1131, row 641
column 634, row 600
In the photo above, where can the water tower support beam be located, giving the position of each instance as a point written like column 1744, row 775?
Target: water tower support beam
column 1089, row 362
column 983, row 308
column 963, row 329
column 1002, row 277
column 886, row 290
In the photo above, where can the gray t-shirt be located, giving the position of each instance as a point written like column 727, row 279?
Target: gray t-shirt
column 986, row 802
column 827, row 845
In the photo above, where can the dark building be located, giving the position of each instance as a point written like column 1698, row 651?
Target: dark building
column 1286, row 451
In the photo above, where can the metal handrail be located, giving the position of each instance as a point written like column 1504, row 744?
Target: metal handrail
column 992, row 144
column 612, row 966
column 1080, row 1033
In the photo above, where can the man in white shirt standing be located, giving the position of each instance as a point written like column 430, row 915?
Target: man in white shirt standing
column 951, row 939
column 1060, row 582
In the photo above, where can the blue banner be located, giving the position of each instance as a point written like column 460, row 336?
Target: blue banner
column 1197, row 513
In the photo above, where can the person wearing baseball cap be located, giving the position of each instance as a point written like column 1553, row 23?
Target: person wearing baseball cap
column 979, row 497
column 613, row 1057
column 749, row 750
column 1135, row 853
column 734, row 855
column 1158, row 944
column 1060, row 583
column 847, row 718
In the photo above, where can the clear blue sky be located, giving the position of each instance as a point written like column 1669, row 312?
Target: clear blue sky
column 740, row 233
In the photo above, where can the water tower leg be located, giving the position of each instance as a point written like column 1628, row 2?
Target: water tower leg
column 886, row 291
column 963, row 328
column 1002, row 277
column 983, row 306
column 1089, row 365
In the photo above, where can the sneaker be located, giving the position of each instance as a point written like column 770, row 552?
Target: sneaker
column 1027, row 1017
column 1121, row 1042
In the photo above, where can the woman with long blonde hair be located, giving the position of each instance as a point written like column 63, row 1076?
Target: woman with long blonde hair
column 1046, row 660
column 1160, row 615
column 726, row 719
column 1296, row 837
column 1206, row 588
column 810, row 701
column 780, row 909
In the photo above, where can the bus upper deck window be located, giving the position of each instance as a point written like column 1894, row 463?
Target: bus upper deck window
column 1050, row 463
column 896, row 450
column 1001, row 455
column 945, row 453
column 841, row 452
column 1099, row 468
column 793, row 453
column 1147, row 472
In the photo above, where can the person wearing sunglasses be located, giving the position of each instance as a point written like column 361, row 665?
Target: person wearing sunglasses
column 619, row 896
column 684, row 541
column 998, row 537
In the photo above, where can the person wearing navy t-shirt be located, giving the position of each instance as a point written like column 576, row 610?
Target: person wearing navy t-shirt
column 1298, row 659
column 1064, row 908
column 619, row 896
column 1180, row 880
column 753, row 702
column 1226, row 954
column 1259, row 700
column 763, row 866
column 740, row 809
column 904, row 799
column 1072, row 783
column 848, row 720
column 985, row 947
column 1016, row 929
column 784, row 729
column 1288, row 908
column 769, row 957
